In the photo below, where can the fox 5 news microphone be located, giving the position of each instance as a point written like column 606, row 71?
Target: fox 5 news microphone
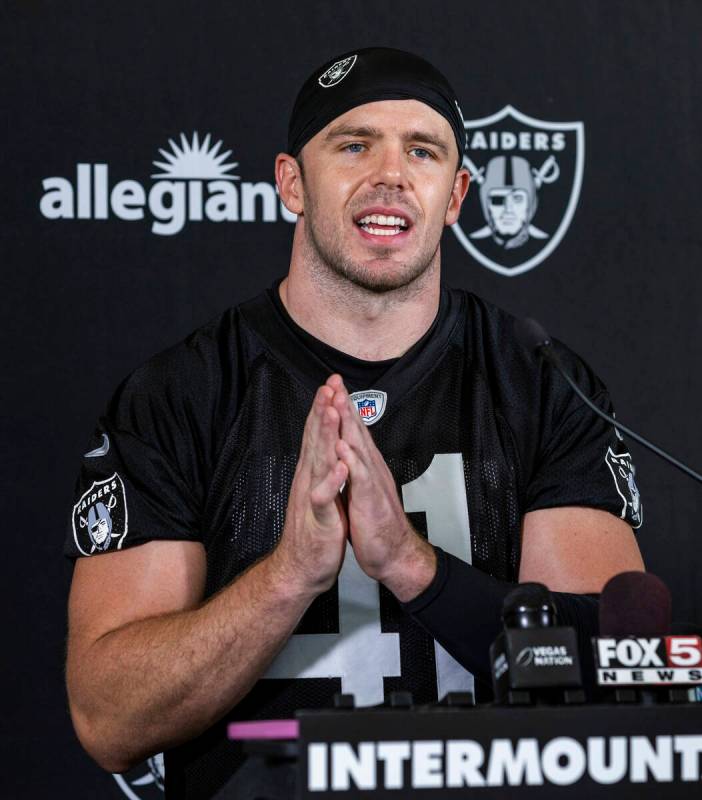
column 636, row 655
column 533, row 659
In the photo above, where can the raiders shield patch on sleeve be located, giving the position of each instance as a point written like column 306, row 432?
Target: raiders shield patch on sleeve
column 623, row 470
column 100, row 517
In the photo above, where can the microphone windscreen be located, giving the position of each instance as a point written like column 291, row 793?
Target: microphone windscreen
column 530, row 333
column 635, row 604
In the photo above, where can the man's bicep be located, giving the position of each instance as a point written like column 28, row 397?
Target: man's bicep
column 576, row 549
column 113, row 589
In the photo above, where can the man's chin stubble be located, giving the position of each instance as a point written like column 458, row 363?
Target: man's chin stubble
column 366, row 278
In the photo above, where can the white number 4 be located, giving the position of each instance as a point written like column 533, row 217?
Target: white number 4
column 361, row 655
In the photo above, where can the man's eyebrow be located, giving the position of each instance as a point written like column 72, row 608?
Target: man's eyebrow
column 354, row 130
column 428, row 138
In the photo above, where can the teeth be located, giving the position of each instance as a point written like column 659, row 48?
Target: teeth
column 381, row 219
column 381, row 231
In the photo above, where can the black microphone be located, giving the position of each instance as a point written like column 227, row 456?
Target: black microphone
column 529, row 606
column 533, row 336
column 534, row 659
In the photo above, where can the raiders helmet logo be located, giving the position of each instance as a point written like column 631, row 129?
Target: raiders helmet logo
column 623, row 470
column 526, row 175
column 100, row 517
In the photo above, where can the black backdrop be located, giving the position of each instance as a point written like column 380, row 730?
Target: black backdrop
column 87, row 299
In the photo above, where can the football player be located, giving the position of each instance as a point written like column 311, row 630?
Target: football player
column 271, row 547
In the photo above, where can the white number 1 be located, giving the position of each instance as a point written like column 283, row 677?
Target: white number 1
column 361, row 655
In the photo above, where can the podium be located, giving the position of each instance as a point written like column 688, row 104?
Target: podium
column 586, row 751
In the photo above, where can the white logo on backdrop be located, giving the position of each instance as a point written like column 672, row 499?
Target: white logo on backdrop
column 195, row 183
column 526, row 176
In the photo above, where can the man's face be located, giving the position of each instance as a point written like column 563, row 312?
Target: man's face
column 379, row 185
column 508, row 209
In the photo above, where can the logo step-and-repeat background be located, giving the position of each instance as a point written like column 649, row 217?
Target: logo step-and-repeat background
column 138, row 201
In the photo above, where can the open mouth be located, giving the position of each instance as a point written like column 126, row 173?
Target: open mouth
column 384, row 225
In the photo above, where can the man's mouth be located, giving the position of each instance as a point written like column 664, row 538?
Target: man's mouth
column 383, row 225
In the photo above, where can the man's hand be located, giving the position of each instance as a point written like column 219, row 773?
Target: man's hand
column 312, row 546
column 386, row 546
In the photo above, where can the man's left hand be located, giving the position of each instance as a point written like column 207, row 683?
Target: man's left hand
column 385, row 544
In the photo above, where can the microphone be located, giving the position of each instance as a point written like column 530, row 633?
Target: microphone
column 533, row 658
column 529, row 606
column 635, row 604
column 533, row 336
column 635, row 648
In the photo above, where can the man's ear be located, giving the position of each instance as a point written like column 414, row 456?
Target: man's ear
column 288, row 179
column 458, row 193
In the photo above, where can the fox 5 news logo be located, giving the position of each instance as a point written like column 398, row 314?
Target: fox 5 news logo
column 650, row 660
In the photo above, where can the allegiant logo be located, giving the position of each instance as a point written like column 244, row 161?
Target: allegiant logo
column 195, row 184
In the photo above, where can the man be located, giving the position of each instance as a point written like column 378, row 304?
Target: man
column 239, row 468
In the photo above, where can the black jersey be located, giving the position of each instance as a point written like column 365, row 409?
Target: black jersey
column 201, row 444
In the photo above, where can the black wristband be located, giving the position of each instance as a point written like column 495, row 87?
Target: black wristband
column 462, row 609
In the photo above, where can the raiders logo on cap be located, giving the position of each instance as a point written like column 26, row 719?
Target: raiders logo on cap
column 337, row 72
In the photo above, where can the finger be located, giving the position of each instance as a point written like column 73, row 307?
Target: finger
column 358, row 471
column 352, row 428
column 323, row 495
column 335, row 382
column 322, row 399
column 323, row 457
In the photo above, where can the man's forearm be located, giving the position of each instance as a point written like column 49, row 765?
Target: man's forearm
column 156, row 682
column 462, row 610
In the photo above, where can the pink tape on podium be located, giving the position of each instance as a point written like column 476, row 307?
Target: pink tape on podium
column 264, row 729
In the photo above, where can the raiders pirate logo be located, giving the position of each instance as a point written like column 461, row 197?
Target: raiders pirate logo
column 337, row 72
column 100, row 517
column 623, row 471
column 526, row 176
column 370, row 405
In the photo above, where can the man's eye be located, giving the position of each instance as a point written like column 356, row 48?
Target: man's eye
column 354, row 147
column 421, row 153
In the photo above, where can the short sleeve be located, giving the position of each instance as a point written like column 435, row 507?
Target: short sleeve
column 584, row 461
column 141, row 476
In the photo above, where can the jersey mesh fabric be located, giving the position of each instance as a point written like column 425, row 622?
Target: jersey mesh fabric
column 221, row 421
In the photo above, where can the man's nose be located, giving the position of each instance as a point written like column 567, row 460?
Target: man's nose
column 509, row 204
column 390, row 166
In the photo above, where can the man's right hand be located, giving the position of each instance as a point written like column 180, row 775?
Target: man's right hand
column 312, row 547
column 158, row 659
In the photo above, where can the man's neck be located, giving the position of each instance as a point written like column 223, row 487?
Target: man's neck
column 370, row 326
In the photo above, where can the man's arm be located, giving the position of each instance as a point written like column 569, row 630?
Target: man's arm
column 150, row 665
column 575, row 549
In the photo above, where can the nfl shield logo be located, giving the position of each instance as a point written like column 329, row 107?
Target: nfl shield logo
column 370, row 404
column 526, row 175
column 366, row 408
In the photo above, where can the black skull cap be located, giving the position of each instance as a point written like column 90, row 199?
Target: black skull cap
column 365, row 76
